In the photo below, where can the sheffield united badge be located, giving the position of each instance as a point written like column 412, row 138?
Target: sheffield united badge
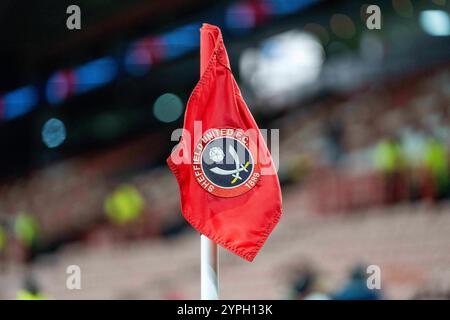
column 225, row 162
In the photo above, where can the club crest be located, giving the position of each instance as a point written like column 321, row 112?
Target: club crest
column 224, row 163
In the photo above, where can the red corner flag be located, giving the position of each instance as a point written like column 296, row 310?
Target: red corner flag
column 228, row 182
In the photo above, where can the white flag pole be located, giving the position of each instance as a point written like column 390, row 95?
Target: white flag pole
column 208, row 249
column 209, row 269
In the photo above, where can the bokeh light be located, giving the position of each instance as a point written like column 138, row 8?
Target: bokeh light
column 240, row 17
column 94, row 74
column 319, row 31
column 124, row 204
column 138, row 60
column 435, row 22
column 287, row 6
column 371, row 47
column 107, row 126
column 181, row 40
column 343, row 26
column 53, row 133
column 19, row 102
column 168, row 107
column 404, row 8
column 283, row 66
column 59, row 86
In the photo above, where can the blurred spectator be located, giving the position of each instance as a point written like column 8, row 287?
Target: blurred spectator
column 413, row 145
column 356, row 287
column 413, row 142
column 306, row 285
column 30, row 289
column 26, row 230
column 436, row 164
column 3, row 243
column 436, row 288
column 2, row 239
column 333, row 141
column 389, row 160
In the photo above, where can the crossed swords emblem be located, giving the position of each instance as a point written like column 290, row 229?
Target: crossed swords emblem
column 234, row 173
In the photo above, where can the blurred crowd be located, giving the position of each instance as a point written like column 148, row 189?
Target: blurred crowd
column 308, row 284
column 383, row 145
column 110, row 197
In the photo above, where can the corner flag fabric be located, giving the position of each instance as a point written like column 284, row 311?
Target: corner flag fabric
column 228, row 183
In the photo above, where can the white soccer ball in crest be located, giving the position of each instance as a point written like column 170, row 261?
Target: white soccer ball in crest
column 216, row 154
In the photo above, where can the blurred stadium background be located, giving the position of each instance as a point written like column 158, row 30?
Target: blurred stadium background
column 86, row 119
